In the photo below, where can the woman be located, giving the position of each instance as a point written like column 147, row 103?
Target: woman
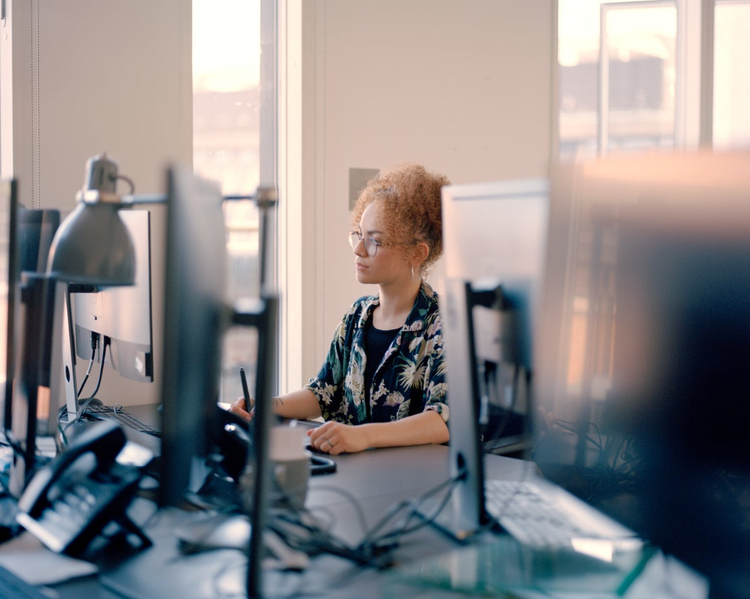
column 383, row 381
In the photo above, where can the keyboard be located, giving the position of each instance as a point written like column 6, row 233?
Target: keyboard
column 13, row 587
column 548, row 517
column 118, row 413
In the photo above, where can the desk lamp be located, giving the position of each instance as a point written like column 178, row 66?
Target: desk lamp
column 91, row 247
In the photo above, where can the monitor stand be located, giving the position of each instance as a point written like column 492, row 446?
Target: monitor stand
column 459, row 513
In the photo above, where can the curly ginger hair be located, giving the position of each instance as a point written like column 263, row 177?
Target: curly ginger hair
column 412, row 209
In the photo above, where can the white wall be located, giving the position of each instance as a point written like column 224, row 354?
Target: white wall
column 463, row 87
column 107, row 76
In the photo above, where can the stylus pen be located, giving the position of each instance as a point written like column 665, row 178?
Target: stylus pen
column 245, row 390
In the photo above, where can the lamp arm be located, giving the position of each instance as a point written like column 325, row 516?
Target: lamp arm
column 159, row 198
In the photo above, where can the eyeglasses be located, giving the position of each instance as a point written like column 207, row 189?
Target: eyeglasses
column 371, row 244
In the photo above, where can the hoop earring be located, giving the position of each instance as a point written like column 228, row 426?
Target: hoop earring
column 412, row 273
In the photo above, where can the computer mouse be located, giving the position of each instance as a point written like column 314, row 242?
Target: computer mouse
column 321, row 465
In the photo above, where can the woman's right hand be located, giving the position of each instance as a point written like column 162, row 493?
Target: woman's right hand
column 238, row 408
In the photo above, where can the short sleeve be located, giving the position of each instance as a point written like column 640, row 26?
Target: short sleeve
column 328, row 385
column 436, row 397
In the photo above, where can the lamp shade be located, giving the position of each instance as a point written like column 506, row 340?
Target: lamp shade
column 93, row 246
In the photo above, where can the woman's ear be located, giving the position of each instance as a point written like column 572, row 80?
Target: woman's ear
column 422, row 252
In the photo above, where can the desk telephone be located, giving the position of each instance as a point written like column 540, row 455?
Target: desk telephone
column 89, row 486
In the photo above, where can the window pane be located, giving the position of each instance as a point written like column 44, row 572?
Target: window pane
column 226, row 133
column 640, row 110
column 578, row 57
column 226, row 73
column 640, row 46
column 731, row 74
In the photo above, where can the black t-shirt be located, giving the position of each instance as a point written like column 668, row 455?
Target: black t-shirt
column 377, row 343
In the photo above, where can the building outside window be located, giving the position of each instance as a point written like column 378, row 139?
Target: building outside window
column 617, row 76
column 624, row 71
column 226, row 148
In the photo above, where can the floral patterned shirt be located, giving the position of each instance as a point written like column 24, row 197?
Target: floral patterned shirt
column 412, row 370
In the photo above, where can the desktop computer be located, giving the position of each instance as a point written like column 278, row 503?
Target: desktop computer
column 641, row 392
column 112, row 327
column 121, row 314
column 494, row 240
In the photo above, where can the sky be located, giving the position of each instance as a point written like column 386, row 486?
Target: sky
column 226, row 40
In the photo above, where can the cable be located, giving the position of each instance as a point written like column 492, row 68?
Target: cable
column 88, row 400
column 371, row 542
column 572, row 427
column 82, row 409
column 353, row 500
column 491, row 383
column 306, row 537
column 94, row 344
column 129, row 181
column 301, row 530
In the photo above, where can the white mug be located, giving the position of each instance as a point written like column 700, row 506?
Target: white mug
column 291, row 463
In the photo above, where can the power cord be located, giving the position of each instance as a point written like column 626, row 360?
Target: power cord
column 83, row 405
column 491, row 386
column 301, row 530
column 88, row 400
column 94, row 344
column 390, row 539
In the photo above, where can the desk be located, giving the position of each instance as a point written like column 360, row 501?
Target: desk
column 376, row 479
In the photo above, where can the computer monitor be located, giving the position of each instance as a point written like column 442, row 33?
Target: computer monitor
column 122, row 315
column 642, row 392
column 494, row 238
column 36, row 229
column 8, row 281
column 29, row 239
column 195, row 317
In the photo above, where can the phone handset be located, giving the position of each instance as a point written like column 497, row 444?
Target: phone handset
column 102, row 442
column 70, row 501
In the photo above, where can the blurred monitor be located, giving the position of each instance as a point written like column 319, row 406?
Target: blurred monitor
column 642, row 391
column 494, row 237
column 26, row 239
column 8, row 281
column 200, row 440
column 194, row 320
column 36, row 229
column 29, row 411
column 121, row 315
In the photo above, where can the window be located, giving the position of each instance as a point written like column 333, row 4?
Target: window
column 731, row 74
column 226, row 147
column 618, row 76
column 633, row 75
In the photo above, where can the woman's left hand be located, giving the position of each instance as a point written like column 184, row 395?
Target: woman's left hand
column 336, row 438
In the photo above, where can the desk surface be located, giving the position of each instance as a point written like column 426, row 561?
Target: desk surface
column 350, row 501
column 353, row 499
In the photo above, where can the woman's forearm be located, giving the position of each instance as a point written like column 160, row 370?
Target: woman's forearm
column 419, row 429
column 300, row 404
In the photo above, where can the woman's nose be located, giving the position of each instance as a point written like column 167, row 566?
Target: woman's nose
column 359, row 247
